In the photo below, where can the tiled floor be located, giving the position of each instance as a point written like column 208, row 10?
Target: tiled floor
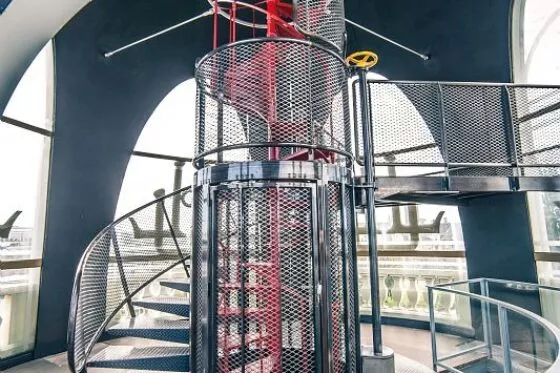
column 412, row 348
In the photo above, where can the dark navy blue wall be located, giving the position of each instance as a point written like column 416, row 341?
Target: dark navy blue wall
column 468, row 40
column 102, row 104
column 497, row 231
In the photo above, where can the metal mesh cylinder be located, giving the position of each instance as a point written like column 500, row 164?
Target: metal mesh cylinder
column 263, row 94
column 322, row 18
column 273, row 269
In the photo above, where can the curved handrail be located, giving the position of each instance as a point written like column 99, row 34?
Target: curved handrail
column 552, row 329
column 100, row 246
column 528, row 285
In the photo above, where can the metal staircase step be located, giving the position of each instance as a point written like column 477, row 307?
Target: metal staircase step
column 175, row 306
column 177, row 285
column 163, row 359
column 147, row 327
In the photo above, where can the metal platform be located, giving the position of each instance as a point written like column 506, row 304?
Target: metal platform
column 442, row 142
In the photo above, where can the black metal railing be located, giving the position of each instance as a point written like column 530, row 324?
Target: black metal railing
column 462, row 129
column 144, row 245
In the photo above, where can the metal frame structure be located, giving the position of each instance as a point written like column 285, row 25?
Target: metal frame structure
column 518, row 173
column 272, row 263
column 276, row 177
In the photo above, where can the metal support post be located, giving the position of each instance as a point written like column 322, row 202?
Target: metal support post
column 176, row 209
column 370, row 212
column 504, row 336
column 486, row 322
column 158, row 225
column 174, row 237
column 433, row 328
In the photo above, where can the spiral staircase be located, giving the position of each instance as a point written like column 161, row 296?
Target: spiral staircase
column 131, row 298
column 132, row 286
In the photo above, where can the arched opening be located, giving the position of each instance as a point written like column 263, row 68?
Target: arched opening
column 537, row 61
column 162, row 154
column 25, row 139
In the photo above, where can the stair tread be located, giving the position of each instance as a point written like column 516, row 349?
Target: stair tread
column 175, row 306
column 163, row 300
column 177, row 285
column 123, row 353
column 141, row 323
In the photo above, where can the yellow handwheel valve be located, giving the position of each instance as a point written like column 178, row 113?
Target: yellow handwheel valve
column 363, row 59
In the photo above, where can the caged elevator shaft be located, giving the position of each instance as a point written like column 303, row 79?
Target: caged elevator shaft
column 274, row 269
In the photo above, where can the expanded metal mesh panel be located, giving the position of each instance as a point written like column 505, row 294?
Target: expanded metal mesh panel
column 200, row 273
column 406, row 118
column 337, row 279
column 123, row 259
column 353, row 339
column 265, row 297
column 472, row 130
column 266, row 265
column 254, row 94
column 323, row 18
column 536, row 119
column 476, row 126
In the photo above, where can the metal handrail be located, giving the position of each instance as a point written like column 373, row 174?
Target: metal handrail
column 517, row 160
column 503, row 308
column 499, row 281
column 78, row 366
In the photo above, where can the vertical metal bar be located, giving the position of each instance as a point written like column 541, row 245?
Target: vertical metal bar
column 486, row 323
column 504, row 336
column 158, row 225
column 122, row 275
column 196, row 279
column 201, row 120
column 174, row 237
column 444, row 144
column 176, row 209
column 354, row 262
column 317, row 290
column 511, row 134
column 324, row 260
column 347, row 129
column 220, row 103
column 357, row 128
column 310, row 96
column 213, row 276
column 433, row 328
column 243, row 256
column 345, row 250
column 369, row 169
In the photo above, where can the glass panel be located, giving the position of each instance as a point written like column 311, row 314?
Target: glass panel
column 146, row 175
column 18, row 310
column 465, row 339
column 170, row 129
column 24, row 160
column 32, row 101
